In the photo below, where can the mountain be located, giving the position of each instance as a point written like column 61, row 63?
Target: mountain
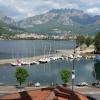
column 7, row 20
column 55, row 21
column 62, row 21
column 8, row 25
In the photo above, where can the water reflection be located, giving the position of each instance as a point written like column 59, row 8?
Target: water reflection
column 49, row 72
column 97, row 70
column 27, row 48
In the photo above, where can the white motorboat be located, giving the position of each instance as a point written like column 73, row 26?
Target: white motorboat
column 47, row 59
column 13, row 64
column 62, row 58
column 16, row 64
column 28, row 63
column 34, row 62
column 66, row 58
column 54, row 58
column 44, row 60
column 25, row 63
column 71, row 57
column 79, row 56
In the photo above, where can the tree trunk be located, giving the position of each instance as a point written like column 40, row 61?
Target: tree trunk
column 65, row 84
column 20, row 84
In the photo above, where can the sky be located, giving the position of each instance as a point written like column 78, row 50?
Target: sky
column 19, row 9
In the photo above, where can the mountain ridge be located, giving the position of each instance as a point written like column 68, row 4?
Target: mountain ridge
column 63, row 20
column 59, row 21
column 8, row 26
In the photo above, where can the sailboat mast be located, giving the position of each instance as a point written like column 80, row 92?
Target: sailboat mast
column 44, row 50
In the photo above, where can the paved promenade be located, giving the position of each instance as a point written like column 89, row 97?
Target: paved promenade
column 92, row 92
column 89, row 91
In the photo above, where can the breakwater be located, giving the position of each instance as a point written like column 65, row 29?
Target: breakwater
column 59, row 53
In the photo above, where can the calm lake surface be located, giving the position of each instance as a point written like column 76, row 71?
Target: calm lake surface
column 27, row 48
column 43, row 73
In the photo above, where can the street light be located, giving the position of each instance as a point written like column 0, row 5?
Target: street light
column 73, row 70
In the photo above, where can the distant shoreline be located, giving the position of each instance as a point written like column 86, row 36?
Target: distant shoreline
column 33, row 36
column 36, row 39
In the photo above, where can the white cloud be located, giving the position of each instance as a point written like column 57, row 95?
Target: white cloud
column 26, row 8
column 89, row 1
column 93, row 11
column 70, row 5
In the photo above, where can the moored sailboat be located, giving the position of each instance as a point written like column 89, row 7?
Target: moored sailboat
column 44, row 60
column 17, row 63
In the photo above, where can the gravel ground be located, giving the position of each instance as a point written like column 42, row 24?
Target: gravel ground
column 94, row 96
column 92, row 92
column 3, row 94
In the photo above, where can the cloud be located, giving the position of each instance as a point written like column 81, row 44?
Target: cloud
column 25, row 8
column 93, row 11
column 90, row 3
column 8, row 10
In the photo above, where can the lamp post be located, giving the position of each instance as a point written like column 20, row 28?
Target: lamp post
column 73, row 70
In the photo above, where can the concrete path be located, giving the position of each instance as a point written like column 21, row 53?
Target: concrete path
column 89, row 91
column 92, row 92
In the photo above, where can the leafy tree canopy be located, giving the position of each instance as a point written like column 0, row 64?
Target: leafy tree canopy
column 80, row 40
column 97, row 42
column 97, row 70
column 88, row 41
column 21, row 75
column 65, row 75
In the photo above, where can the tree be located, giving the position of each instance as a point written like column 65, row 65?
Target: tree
column 97, row 42
column 97, row 70
column 88, row 41
column 80, row 40
column 65, row 75
column 21, row 75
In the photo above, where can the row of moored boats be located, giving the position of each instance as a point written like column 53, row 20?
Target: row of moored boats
column 46, row 60
column 42, row 60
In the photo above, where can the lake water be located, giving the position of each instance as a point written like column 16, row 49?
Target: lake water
column 26, row 48
column 43, row 73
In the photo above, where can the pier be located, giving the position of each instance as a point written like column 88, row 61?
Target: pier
column 59, row 53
